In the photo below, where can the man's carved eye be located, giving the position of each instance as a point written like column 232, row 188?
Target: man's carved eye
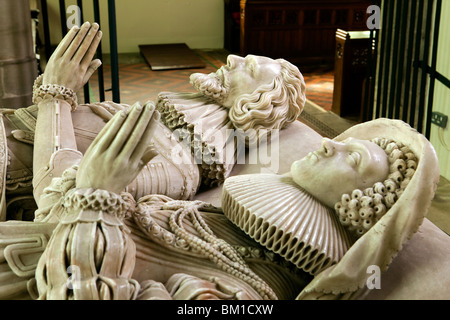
column 252, row 68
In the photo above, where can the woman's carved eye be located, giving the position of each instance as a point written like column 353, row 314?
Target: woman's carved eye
column 354, row 158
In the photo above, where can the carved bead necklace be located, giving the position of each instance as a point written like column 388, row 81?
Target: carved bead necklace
column 215, row 249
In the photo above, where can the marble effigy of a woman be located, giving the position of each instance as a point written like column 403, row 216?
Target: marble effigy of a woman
column 291, row 214
column 386, row 207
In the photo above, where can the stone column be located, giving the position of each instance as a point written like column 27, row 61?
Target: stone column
column 18, row 66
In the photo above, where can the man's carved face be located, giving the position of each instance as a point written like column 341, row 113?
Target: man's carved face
column 240, row 76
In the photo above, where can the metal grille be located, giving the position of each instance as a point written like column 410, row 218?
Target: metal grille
column 113, row 44
column 403, row 66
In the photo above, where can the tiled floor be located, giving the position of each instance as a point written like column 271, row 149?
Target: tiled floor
column 319, row 87
column 139, row 83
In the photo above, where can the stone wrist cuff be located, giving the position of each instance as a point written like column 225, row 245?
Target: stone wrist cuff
column 42, row 92
column 99, row 200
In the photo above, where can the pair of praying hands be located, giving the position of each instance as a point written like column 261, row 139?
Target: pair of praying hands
column 120, row 151
column 123, row 147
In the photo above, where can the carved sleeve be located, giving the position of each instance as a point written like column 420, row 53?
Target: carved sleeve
column 90, row 255
column 54, row 132
column 51, row 181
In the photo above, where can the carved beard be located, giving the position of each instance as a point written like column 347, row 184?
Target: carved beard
column 211, row 85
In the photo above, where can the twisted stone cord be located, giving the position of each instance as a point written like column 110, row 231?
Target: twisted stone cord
column 215, row 249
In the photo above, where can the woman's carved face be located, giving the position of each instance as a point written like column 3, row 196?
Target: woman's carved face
column 340, row 167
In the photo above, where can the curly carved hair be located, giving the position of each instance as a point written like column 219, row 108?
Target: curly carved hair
column 271, row 106
column 361, row 209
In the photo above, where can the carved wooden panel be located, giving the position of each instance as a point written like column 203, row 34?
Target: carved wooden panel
column 350, row 72
column 300, row 31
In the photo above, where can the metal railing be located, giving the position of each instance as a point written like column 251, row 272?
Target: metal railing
column 402, row 72
column 115, row 88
